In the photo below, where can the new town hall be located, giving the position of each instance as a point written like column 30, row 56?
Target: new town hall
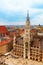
column 29, row 45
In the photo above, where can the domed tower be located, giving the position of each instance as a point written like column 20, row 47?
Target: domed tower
column 27, row 38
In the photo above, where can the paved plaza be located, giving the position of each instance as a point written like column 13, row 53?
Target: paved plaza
column 9, row 60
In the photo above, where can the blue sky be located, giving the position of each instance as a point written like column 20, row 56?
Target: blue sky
column 14, row 12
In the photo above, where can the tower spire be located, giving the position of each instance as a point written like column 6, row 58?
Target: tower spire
column 27, row 15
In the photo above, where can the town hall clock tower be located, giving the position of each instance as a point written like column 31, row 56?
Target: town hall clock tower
column 27, row 38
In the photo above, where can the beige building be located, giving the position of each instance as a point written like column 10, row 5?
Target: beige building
column 18, row 47
column 36, row 48
column 29, row 45
column 21, row 45
column 27, row 38
column 6, row 45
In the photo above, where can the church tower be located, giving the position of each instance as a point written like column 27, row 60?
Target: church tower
column 27, row 38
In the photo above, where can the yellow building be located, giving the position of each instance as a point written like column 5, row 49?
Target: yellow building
column 6, row 45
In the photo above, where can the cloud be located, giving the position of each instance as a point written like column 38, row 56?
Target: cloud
column 33, row 12
column 19, row 5
column 11, row 23
column 14, row 11
column 37, row 20
column 20, row 17
column 14, row 5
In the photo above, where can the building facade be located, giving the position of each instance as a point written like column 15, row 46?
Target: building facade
column 27, row 38
column 6, row 42
column 30, row 44
column 36, row 48
column 3, row 31
column 22, row 44
column 6, row 45
column 18, row 47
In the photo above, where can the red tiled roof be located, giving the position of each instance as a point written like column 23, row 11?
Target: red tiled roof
column 4, row 42
column 33, row 30
column 3, row 29
column 21, row 31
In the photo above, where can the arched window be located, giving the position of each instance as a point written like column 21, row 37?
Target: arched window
column 26, row 44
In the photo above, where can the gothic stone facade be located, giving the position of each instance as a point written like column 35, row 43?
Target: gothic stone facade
column 22, row 46
column 36, row 48
column 27, row 48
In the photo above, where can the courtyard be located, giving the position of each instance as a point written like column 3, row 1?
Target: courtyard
column 10, row 60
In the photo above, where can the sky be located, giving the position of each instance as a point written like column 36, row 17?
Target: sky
column 14, row 12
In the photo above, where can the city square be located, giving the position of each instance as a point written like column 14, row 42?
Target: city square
column 10, row 60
